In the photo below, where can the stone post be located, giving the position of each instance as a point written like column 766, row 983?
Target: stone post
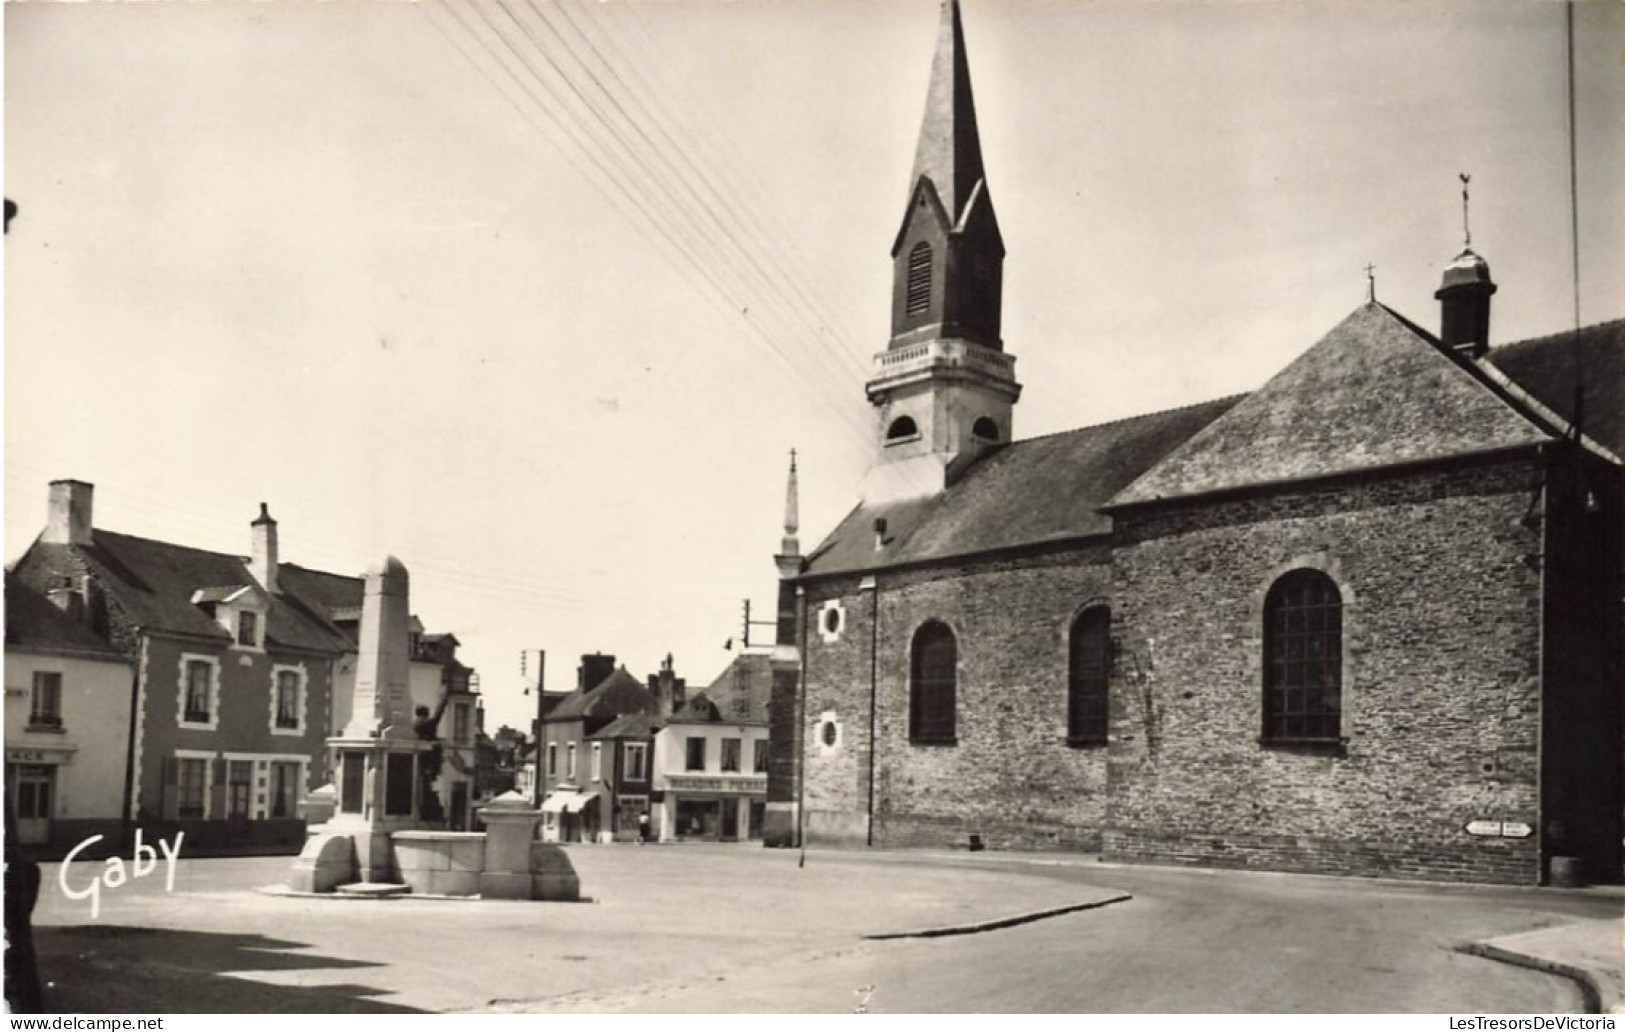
column 510, row 827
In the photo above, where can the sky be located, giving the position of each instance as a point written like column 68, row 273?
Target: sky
column 538, row 295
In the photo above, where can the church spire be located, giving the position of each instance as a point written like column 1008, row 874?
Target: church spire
column 949, row 153
column 948, row 258
column 791, row 544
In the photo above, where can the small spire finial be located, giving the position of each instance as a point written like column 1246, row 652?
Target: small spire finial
column 1466, row 227
column 1370, row 282
column 792, row 505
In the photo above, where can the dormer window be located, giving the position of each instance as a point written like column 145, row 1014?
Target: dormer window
column 248, row 629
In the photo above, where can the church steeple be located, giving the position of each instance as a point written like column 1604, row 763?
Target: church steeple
column 943, row 388
column 949, row 152
column 948, row 258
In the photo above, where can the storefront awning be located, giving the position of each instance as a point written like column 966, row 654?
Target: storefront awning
column 556, row 802
column 579, row 801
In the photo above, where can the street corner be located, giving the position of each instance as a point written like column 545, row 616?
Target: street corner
column 1590, row 953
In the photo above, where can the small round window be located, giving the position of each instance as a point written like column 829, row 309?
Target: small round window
column 832, row 621
column 829, row 733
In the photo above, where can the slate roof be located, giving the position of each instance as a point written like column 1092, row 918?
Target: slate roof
column 1546, row 367
column 153, row 583
column 742, row 690
column 1376, row 391
column 1031, row 492
column 1338, row 408
column 327, row 594
column 630, row 725
column 616, row 695
column 698, row 709
column 35, row 624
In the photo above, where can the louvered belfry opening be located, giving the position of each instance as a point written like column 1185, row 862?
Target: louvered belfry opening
column 919, row 278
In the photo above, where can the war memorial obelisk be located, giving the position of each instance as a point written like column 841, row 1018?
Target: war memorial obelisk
column 376, row 755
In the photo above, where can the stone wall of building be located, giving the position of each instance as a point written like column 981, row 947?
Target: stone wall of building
column 1440, row 580
column 1010, row 777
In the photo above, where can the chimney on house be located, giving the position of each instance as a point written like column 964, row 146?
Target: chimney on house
column 264, row 563
column 68, row 521
column 593, row 669
column 667, row 688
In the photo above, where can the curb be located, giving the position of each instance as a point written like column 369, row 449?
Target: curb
column 1597, row 999
column 997, row 923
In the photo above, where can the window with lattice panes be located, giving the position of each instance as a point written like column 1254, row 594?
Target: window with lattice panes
column 1303, row 659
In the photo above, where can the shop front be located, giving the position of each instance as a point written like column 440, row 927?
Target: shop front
column 710, row 809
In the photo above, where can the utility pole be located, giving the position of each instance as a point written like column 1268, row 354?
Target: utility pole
column 536, row 782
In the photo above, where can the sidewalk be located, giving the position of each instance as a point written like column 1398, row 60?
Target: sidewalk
column 1590, row 952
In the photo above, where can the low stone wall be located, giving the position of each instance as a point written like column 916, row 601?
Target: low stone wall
column 440, row 863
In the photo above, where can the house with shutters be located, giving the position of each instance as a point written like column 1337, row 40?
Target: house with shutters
column 234, row 662
column 1366, row 619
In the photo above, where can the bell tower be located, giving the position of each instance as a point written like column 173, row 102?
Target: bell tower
column 943, row 389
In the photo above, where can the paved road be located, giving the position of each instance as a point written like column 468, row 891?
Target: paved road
column 695, row 928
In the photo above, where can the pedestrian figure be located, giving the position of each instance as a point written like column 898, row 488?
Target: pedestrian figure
column 643, row 827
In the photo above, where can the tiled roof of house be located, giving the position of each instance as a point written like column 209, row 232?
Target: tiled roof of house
column 742, row 690
column 1029, row 492
column 1376, row 391
column 1547, row 367
column 34, row 623
column 153, row 583
column 327, row 594
column 697, row 709
column 630, row 725
column 618, row 694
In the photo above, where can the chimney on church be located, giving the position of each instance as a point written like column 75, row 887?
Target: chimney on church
column 1464, row 305
column 68, row 519
column 264, row 563
column 1464, row 296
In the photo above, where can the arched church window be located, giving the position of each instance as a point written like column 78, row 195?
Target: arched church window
column 1089, row 667
column 919, row 278
column 933, row 682
column 1303, row 659
column 902, row 428
column 986, row 429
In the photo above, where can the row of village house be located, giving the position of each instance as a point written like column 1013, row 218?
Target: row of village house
column 176, row 689
column 179, row 689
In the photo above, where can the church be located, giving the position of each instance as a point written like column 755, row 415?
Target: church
column 1366, row 619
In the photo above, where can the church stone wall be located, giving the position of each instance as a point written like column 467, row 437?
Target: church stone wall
column 1442, row 623
column 1010, row 778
